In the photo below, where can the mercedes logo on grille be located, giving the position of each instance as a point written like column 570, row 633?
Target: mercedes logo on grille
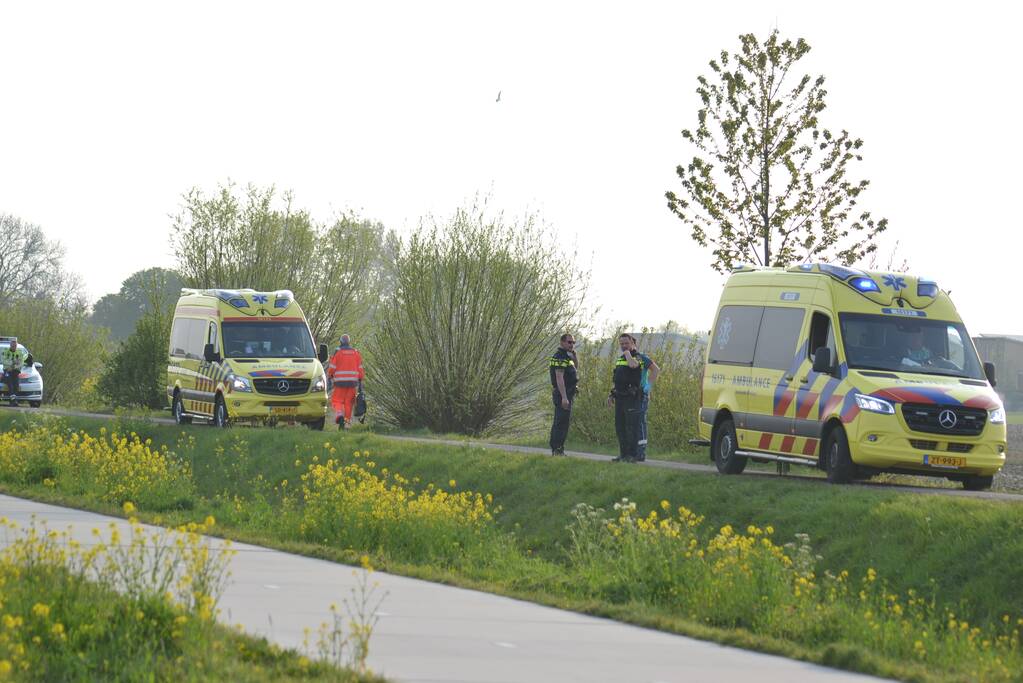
column 947, row 419
column 284, row 385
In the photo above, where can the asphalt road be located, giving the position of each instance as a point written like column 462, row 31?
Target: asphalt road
column 664, row 464
column 431, row 633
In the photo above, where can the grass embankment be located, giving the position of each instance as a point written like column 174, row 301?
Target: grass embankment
column 910, row 586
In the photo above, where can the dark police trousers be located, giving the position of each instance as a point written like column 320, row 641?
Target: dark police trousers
column 13, row 382
column 630, row 425
column 559, row 429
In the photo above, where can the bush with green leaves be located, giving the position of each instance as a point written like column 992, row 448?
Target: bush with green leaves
column 136, row 374
column 478, row 304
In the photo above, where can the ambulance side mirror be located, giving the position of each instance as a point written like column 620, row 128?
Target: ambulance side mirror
column 322, row 355
column 989, row 372
column 822, row 361
column 209, row 355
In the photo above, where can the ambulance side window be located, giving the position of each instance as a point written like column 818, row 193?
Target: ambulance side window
column 779, row 334
column 196, row 337
column 735, row 336
column 213, row 337
column 179, row 336
column 822, row 334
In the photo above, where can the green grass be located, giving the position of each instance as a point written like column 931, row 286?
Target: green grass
column 968, row 552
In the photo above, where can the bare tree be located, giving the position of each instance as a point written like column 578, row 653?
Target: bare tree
column 31, row 266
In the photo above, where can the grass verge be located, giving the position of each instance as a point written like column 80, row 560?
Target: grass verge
column 883, row 570
column 141, row 609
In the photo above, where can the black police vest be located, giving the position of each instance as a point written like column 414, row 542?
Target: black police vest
column 627, row 381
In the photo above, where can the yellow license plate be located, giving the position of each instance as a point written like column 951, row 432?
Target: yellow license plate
column 284, row 410
column 948, row 461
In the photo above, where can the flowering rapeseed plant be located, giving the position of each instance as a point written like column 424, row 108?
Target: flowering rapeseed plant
column 357, row 506
column 111, row 467
column 62, row 603
column 730, row 578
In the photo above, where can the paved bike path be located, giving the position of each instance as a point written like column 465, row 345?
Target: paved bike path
column 432, row 633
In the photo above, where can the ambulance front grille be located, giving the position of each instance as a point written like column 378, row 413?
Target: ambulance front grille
column 924, row 445
column 960, row 447
column 938, row 419
column 279, row 386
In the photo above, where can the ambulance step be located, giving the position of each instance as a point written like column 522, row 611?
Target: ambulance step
column 778, row 458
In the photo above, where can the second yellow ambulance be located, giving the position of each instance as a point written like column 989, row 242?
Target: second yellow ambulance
column 853, row 372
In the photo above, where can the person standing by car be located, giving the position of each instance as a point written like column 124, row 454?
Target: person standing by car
column 634, row 374
column 346, row 373
column 14, row 358
column 564, row 379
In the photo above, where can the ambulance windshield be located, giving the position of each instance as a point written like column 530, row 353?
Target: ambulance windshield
column 917, row 345
column 267, row 340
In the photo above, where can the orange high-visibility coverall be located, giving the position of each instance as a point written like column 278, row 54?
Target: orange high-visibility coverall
column 345, row 368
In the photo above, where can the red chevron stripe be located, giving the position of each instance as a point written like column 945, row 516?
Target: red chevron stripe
column 765, row 442
column 808, row 402
column 787, row 443
column 784, row 401
column 811, row 447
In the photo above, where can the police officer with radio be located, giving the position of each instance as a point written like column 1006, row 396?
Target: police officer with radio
column 564, row 379
column 634, row 374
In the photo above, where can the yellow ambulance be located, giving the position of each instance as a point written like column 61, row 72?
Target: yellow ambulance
column 853, row 372
column 244, row 356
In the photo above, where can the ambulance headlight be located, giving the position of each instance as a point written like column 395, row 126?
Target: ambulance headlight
column 240, row 384
column 874, row 405
column 996, row 416
column 320, row 384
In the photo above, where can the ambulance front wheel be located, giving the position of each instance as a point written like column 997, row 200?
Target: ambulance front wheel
column 178, row 409
column 724, row 445
column 839, row 464
column 35, row 404
column 977, row 483
column 318, row 425
column 219, row 413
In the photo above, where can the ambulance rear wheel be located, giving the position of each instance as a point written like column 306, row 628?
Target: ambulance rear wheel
column 839, row 464
column 35, row 404
column 178, row 408
column 724, row 446
column 219, row 413
column 977, row 483
column 317, row 426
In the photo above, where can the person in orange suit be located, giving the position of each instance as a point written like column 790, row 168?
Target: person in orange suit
column 346, row 373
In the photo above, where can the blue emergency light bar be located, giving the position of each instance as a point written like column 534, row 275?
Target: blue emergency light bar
column 864, row 284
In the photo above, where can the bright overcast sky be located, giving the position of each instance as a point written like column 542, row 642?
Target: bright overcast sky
column 109, row 112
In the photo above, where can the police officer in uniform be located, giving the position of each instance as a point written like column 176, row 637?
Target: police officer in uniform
column 564, row 379
column 634, row 373
column 14, row 358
